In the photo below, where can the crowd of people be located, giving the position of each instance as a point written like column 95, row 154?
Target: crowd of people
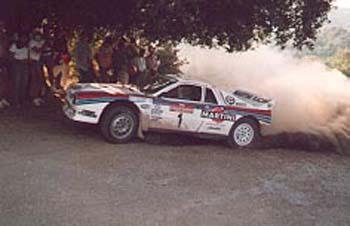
column 32, row 64
column 123, row 61
column 24, row 58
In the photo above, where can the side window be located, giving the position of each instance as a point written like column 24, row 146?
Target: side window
column 185, row 92
column 210, row 97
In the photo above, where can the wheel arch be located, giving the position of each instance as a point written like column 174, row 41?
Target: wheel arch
column 125, row 103
column 251, row 117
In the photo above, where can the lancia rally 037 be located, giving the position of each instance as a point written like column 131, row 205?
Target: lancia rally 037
column 170, row 105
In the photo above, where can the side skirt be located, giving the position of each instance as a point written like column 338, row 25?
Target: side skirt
column 193, row 134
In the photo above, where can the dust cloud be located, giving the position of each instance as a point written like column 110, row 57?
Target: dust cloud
column 310, row 98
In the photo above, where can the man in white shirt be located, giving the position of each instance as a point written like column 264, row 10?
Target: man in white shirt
column 20, row 53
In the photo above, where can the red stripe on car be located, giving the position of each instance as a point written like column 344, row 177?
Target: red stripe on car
column 248, row 110
column 94, row 95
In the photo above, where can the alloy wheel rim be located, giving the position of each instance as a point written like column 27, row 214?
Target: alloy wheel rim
column 122, row 126
column 243, row 134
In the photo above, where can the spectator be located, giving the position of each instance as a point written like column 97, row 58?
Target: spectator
column 132, row 49
column 20, row 71
column 60, row 43
column 4, row 67
column 120, row 63
column 47, row 61
column 139, row 63
column 83, row 58
column 61, row 71
column 62, row 59
column 37, row 82
column 152, row 61
column 104, row 59
column 132, row 52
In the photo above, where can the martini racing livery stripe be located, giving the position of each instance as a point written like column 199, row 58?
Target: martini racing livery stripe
column 98, row 97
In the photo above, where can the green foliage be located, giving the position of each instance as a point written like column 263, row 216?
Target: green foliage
column 341, row 61
column 330, row 41
column 234, row 24
column 170, row 62
column 333, row 43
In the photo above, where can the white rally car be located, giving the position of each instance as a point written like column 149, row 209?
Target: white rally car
column 170, row 104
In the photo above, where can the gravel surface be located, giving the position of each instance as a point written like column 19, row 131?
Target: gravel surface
column 55, row 172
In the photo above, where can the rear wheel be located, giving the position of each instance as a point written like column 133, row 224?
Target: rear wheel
column 244, row 134
column 119, row 124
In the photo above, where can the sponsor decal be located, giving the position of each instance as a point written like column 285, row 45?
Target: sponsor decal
column 182, row 108
column 230, row 100
column 251, row 96
column 217, row 114
column 155, row 118
column 157, row 111
column 214, row 128
column 87, row 113
column 240, row 104
column 145, row 106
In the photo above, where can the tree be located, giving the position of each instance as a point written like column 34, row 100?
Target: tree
column 234, row 24
column 330, row 41
column 341, row 61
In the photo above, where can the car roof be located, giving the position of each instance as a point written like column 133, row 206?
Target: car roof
column 189, row 81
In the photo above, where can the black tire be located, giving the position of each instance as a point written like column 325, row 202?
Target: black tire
column 252, row 142
column 110, row 117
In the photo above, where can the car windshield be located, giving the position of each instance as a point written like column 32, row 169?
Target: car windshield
column 158, row 84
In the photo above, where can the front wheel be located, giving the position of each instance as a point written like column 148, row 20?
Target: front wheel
column 245, row 133
column 119, row 124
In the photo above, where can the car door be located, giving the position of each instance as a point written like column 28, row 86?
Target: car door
column 216, row 119
column 178, row 109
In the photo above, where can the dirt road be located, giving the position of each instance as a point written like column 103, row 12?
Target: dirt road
column 54, row 172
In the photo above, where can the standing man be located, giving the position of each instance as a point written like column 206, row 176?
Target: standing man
column 47, row 61
column 104, row 59
column 37, row 82
column 4, row 67
column 20, row 76
column 120, row 63
column 152, row 60
column 83, row 58
column 139, row 63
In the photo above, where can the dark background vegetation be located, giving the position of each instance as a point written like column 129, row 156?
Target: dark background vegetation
column 234, row 24
column 333, row 42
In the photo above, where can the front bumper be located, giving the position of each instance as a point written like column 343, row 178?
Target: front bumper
column 83, row 113
column 69, row 111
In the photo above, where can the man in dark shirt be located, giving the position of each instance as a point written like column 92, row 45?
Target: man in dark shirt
column 4, row 67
